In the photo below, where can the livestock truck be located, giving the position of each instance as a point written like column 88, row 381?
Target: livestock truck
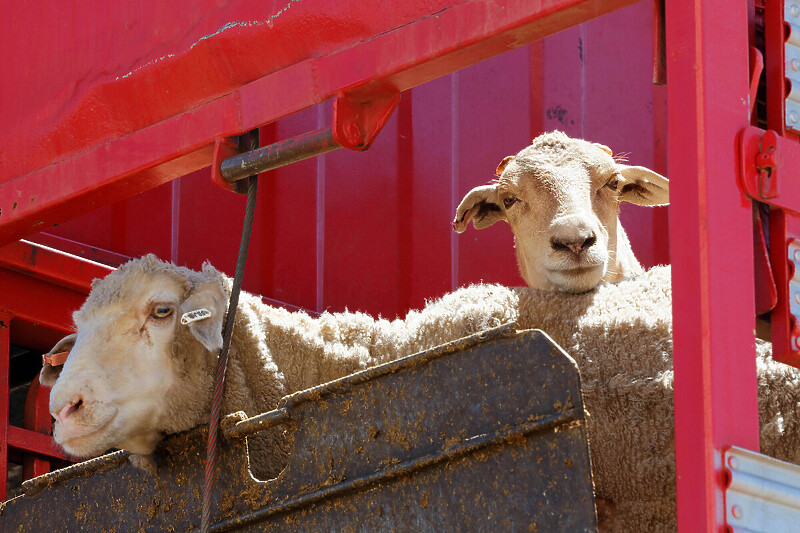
column 118, row 120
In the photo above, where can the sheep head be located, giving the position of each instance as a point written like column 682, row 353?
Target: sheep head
column 133, row 367
column 561, row 198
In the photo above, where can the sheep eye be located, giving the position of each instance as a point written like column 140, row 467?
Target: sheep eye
column 161, row 311
column 613, row 183
column 508, row 202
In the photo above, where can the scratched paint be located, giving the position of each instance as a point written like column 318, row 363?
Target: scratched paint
column 229, row 26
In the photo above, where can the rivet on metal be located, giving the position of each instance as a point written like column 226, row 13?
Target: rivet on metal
column 793, row 117
column 736, row 511
column 733, row 462
column 795, row 64
column 796, row 255
column 794, row 9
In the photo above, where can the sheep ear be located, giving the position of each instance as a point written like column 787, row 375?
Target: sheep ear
column 49, row 374
column 605, row 148
column 208, row 331
column 502, row 166
column 642, row 186
column 482, row 206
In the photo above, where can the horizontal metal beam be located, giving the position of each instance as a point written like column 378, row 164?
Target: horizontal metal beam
column 413, row 53
column 34, row 442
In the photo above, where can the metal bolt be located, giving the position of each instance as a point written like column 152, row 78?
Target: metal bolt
column 733, row 462
column 794, row 9
column 797, row 297
column 795, row 63
column 736, row 512
column 793, row 117
column 796, row 256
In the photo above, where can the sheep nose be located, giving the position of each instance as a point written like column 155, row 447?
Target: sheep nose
column 68, row 410
column 576, row 246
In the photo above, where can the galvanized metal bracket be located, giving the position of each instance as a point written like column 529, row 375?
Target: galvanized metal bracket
column 763, row 494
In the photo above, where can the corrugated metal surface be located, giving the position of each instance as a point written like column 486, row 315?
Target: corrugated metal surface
column 371, row 231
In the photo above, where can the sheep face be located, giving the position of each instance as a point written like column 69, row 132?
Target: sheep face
column 561, row 198
column 117, row 388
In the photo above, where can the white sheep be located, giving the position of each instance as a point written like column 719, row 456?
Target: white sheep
column 135, row 372
column 561, row 198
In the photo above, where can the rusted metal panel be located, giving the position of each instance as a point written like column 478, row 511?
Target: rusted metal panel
column 481, row 434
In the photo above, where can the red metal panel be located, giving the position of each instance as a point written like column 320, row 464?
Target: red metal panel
column 40, row 287
column 103, row 164
column 37, row 419
column 712, row 262
column 5, row 324
column 489, row 97
column 361, row 268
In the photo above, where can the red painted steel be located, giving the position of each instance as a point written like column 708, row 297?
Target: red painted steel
column 712, row 261
column 38, row 420
column 35, row 442
column 39, row 289
column 104, row 154
column 5, row 324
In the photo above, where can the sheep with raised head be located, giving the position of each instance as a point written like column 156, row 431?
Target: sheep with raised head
column 561, row 198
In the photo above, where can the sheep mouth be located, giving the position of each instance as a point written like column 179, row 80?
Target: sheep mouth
column 576, row 279
column 577, row 271
column 83, row 444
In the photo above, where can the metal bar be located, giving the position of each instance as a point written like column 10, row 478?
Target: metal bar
column 253, row 425
column 38, row 421
column 402, row 469
column 51, row 265
column 5, row 326
column 32, row 441
column 711, row 250
column 279, row 154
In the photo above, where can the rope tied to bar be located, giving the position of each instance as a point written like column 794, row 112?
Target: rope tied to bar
column 227, row 334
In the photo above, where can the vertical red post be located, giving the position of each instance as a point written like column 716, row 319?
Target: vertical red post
column 712, row 252
column 5, row 349
column 37, row 418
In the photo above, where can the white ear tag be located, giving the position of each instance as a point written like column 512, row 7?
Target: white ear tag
column 194, row 316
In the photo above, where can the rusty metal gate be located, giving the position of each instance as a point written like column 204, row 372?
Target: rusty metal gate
column 485, row 433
